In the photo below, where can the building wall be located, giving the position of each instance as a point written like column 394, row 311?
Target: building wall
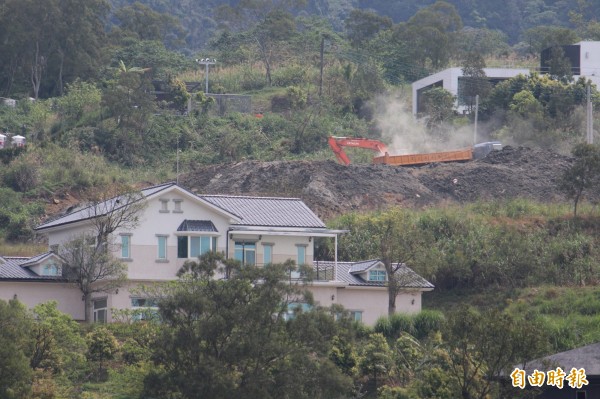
column 32, row 293
column 590, row 61
column 373, row 302
column 449, row 78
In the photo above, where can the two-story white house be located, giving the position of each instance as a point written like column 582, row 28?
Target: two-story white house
column 176, row 225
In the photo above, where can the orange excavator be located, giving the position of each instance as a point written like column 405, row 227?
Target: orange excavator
column 336, row 144
column 477, row 151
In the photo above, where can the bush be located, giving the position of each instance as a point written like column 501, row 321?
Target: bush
column 428, row 321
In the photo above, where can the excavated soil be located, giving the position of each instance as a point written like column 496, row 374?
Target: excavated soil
column 331, row 189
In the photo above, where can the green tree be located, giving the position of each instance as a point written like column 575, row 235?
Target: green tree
column 559, row 66
column 438, row 106
column 542, row 37
column 15, row 349
column 142, row 23
column 583, row 174
column 377, row 360
column 363, row 25
column 430, row 34
column 58, row 345
column 474, row 81
column 102, row 346
column 481, row 346
column 224, row 338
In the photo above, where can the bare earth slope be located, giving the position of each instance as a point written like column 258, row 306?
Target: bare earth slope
column 331, row 189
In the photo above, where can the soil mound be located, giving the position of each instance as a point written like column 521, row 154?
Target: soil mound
column 331, row 189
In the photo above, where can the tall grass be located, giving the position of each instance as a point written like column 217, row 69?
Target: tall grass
column 21, row 249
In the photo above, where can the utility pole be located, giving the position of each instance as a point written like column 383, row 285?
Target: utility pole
column 590, row 117
column 206, row 62
column 476, row 117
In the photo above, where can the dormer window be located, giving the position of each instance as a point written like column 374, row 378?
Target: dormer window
column 50, row 269
column 377, row 275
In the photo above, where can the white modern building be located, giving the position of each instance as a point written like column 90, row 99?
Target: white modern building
column 177, row 225
column 450, row 80
column 584, row 58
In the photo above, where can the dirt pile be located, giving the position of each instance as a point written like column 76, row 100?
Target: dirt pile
column 331, row 189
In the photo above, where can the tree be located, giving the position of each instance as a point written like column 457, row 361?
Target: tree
column 15, row 344
column 558, row 66
column 269, row 23
column 430, row 34
column 58, row 343
column 474, row 81
column 377, row 359
column 438, row 105
column 102, row 346
column 224, row 338
column 542, row 37
column 583, row 174
column 141, row 22
column 89, row 262
column 363, row 25
column 481, row 346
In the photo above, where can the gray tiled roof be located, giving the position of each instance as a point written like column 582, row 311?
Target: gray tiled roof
column 88, row 212
column 37, row 258
column 408, row 278
column 12, row 268
column 586, row 357
column 267, row 211
column 253, row 211
column 197, row 225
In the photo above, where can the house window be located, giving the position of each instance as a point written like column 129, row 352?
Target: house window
column 125, row 246
column 267, row 253
column 194, row 246
column 356, row 315
column 164, row 206
column 245, row 252
column 301, row 254
column 100, row 310
column 144, row 308
column 177, row 203
column 376, row 275
column 50, row 269
column 162, row 247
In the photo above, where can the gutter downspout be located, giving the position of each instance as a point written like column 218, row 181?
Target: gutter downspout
column 227, row 244
column 336, row 257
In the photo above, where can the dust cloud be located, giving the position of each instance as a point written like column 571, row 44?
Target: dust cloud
column 407, row 135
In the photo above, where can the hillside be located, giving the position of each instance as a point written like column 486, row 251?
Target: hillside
column 331, row 189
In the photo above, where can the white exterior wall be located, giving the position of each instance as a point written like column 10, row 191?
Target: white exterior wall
column 449, row 78
column 32, row 293
column 590, row 61
column 143, row 263
column 372, row 302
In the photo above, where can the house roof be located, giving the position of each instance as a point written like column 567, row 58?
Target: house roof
column 91, row 211
column 363, row 266
column 249, row 211
column 267, row 211
column 197, row 225
column 16, row 268
column 344, row 273
column 586, row 357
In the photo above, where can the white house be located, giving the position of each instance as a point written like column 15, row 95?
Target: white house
column 584, row 58
column 177, row 225
column 450, row 79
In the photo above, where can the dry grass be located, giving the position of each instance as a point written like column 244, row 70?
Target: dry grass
column 21, row 249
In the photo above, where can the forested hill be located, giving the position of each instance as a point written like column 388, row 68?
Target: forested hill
column 513, row 17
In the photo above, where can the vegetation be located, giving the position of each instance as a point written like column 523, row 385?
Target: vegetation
column 109, row 107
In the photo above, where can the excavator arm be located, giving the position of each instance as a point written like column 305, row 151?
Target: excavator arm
column 337, row 144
